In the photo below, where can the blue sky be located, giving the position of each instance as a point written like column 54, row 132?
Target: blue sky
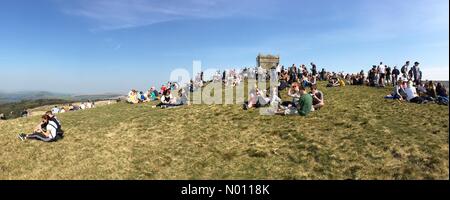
column 97, row 46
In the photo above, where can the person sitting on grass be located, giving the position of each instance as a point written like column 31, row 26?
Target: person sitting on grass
column 304, row 105
column 133, row 97
column 168, row 101
column 421, row 90
column 295, row 94
column 182, row 98
column 341, row 82
column 317, row 96
column 441, row 91
column 412, row 96
column 141, row 97
column 55, row 110
column 399, row 92
column 257, row 99
column 334, row 82
column 431, row 90
column 48, row 134
column 442, row 96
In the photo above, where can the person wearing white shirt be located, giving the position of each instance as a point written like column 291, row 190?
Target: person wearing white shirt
column 55, row 110
column 382, row 72
column 411, row 94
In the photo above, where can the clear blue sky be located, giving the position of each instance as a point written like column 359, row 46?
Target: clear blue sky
column 96, row 46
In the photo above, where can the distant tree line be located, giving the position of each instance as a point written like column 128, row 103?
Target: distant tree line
column 17, row 109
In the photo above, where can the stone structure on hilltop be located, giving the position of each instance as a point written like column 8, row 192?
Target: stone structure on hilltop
column 267, row 61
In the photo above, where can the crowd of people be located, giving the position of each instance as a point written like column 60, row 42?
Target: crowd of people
column 408, row 84
column 165, row 96
column 296, row 80
column 71, row 107
column 299, row 82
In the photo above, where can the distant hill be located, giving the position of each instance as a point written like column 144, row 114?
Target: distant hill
column 32, row 95
column 12, row 104
column 11, row 97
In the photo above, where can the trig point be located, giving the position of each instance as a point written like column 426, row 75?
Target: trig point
column 267, row 61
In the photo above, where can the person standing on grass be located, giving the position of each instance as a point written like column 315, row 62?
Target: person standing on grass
column 47, row 135
column 377, row 77
column 416, row 73
column 395, row 75
column 382, row 73
column 388, row 75
column 405, row 69
column 322, row 74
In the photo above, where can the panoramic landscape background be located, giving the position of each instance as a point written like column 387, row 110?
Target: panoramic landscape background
column 357, row 135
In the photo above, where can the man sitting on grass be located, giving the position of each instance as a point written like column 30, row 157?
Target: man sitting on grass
column 305, row 103
column 48, row 134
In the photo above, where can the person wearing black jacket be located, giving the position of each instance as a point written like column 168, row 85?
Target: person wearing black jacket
column 395, row 74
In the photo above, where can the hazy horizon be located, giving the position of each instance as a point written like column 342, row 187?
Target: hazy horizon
column 111, row 46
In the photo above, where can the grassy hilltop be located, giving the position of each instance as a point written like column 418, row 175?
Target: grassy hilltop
column 358, row 135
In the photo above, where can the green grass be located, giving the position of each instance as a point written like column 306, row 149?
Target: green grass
column 358, row 135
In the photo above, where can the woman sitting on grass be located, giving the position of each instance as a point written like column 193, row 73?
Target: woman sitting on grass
column 168, row 101
column 133, row 97
column 431, row 90
column 293, row 92
column 399, row 92
column 47, row 134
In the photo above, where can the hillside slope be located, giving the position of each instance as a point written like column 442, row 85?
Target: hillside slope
column 358, row 135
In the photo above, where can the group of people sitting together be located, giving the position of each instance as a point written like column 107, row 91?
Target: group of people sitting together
column 302, row 103
column 428, row 92
column 48, row 130
column 72, row 107
column 296, row 81
column 407, row 83
column 167, row 99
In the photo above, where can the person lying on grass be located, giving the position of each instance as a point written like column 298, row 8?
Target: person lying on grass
column 48, row 134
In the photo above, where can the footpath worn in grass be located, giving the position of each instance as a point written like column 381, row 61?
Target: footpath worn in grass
column 358, row 135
